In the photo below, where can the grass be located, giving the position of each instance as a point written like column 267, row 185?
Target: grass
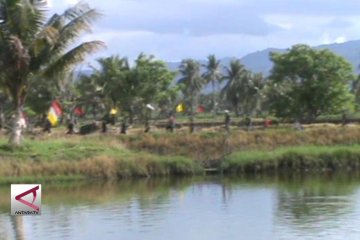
column 58, row 157
column 87, row 157
column 209, row 145
column 290, row 159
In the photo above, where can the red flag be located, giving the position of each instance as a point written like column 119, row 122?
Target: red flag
column 79, row 111
column 201, row 109
column 54, row 113
column 57, row 108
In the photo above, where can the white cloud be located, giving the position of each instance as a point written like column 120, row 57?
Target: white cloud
column 177, row 29
column 71, row 2
column 340, row 39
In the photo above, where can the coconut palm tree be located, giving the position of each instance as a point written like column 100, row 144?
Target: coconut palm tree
column 112, row 76
column 32, row 47
column 192, row 83
column 257, row 86
column 237, row 77
column 213, row 76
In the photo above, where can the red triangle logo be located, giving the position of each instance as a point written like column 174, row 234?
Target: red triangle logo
column 29, row 204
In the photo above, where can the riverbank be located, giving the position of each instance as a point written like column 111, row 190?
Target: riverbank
column 62, row 157
column 78, row 157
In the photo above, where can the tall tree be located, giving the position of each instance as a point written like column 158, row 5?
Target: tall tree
column 155, row 80
column 112, row 77
column 132, row 88
column 355, row 89
column 32, row 48
column 253, row 94
column 213, row 75
column 192, row 83
column 307, row 82
column 90, row 94
column 237, row 78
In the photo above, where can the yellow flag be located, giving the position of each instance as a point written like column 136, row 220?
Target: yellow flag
column 113, row 111
column 54, row 113
column 53, row 119
column 180, row 107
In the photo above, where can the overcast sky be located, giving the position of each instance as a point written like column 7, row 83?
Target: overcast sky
column 176, row 29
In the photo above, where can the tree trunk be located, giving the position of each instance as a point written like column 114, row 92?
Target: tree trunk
column 131, row 116
column 236, row 106
column 18, row 126
column 213, row 98
column 2, row 118
column 191, row 126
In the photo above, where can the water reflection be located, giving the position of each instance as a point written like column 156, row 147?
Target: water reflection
column 18, row 225
column 318, row 207
column 260, row 207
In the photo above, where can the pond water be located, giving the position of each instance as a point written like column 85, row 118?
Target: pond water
column 296, row 207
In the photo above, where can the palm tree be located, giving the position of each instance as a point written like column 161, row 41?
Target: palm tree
column 192, row 83
column 32, row 48
column 257, row 85
column 236, row 76
column 213, row 75
column 112, row 77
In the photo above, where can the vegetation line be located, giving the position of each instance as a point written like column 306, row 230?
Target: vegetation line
column 149, row 155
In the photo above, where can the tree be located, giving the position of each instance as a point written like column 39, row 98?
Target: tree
column 355, row 89
column 192, row 83
column 307, row 82
column 40, row 96
column 154, row 80
column 112, row 78
column 237, row 78
column 32, row 48
column 90, row 94
column 131, row 89
column 213, row 76
column 253, row 94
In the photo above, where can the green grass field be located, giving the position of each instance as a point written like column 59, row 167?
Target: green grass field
column 112, row 156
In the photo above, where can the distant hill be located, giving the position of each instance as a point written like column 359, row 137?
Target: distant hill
column 259, row 61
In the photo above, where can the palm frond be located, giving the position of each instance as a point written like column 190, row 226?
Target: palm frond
column 72, row 57
column 74, row 28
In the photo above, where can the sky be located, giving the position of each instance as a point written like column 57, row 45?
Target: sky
column 173, row 30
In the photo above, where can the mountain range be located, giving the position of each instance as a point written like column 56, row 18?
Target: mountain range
column 260, row 62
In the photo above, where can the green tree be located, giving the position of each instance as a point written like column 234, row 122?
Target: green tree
column 154, row 80
column 355, row 89
column 191, row 83
column 39, row 97
column 90, row 94
column 131, row 89
column 112, row 78
column 307, row 82
column 237, row 79
column 213, row 75
column 32, row 48
column 253, row 94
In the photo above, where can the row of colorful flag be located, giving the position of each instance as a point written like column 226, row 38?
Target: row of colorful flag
column 181, row 108
column 55, row 111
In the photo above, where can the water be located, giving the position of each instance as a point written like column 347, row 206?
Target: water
column 326, row 207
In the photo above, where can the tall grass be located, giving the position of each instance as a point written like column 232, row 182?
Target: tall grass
column 89, row 157
column 162, row 154
column 295, row 159
column 205, row 146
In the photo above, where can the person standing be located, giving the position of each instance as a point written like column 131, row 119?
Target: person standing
column 227, row 121
column 171, row 123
